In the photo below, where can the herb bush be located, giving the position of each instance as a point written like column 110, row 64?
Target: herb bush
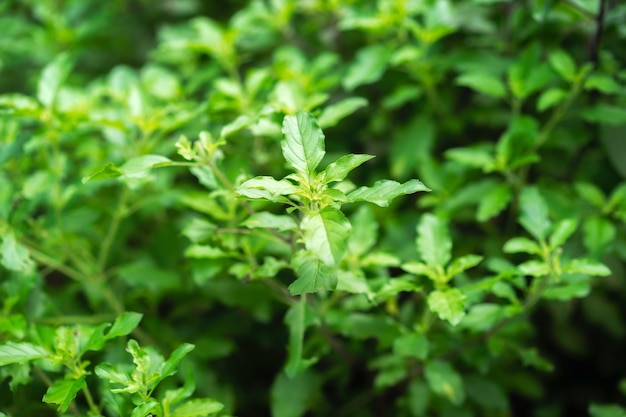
column 320, row 208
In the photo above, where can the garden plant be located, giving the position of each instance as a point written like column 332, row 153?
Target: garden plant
column 291, row 208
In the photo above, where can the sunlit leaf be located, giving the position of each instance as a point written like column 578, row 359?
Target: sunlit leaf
column 339, row 169
column 303, row 145
column 326, row 233
column 534, row 213
column 63, row 392
column 448, row 304
column 313, row 274
column 19, row 352
column 433, row 241
column 383, row 191
column 443, row 380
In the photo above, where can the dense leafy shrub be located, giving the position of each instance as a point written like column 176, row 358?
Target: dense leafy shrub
column 344, row 208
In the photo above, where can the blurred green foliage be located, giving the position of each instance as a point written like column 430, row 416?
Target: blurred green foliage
column 163, row 157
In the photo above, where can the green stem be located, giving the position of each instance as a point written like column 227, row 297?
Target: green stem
column 118, row 215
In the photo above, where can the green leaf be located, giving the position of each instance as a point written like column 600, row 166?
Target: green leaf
column 290, row 396
column 266, row 188
column 52, row 77
column 462, row 263
column 205, row 252
column 395, row 286
column 298, row 318
column 110, row 373
column 443, row 380
column 14, row 256
column 270, row 221
column 476, row 157
column 522, row 245
column 138, row 167
column 368, row 66
column 534, row 268
column 338, row 170
column 570, row 286
column 603, row 83
column 352, row 282
column 331, row 115
column 562, row 231
column 63, row 392
column 150, row 407
column 493, row 202
column 534, row 213
column 235, row 126
column 433, row 241
column 563, row 64
column 482, row 317
column 591, row 193
column 606, row 410
column 449, row 304
column 604, row 113
column 413, row 345
column 598, row 235
column 484, row 83
column 199, row 407
column 418, row 397
column 109, row 171
column 383, row 191
column 303, row 145
column 551, row 98
column 326, row 233
column 364, row 231
column 124, row 324
column 313, row 274
column 530, row 357
column 587, row 267
column 13, row 352
column 168, row 368
column 420, row 268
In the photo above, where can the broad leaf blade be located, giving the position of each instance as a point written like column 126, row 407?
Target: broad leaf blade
column 522, row 245
column 169, row 366
column 52, row 77
column 587, row 267
column 298, row 318
column 124, row 324
column 199, row 407
column 562, row 231
column 138, row 167
column 534, row 213
column 448, row 304
column 433, row 241
column 493, row 202
column 14, row 256
column 271, row 221
column 290, row 396
column 445, row 381
column 267, row 188
column 63, row 392
column 382, row 192
column 338, row 170
column 313, row 274
column 303, row 145
column 13, row 352
column 331, row 115
column 326, row 233
column 463, row 263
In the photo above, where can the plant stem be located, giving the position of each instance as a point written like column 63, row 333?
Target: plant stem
column 118, row 215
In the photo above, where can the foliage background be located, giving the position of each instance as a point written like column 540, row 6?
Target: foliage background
column 480, row 100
